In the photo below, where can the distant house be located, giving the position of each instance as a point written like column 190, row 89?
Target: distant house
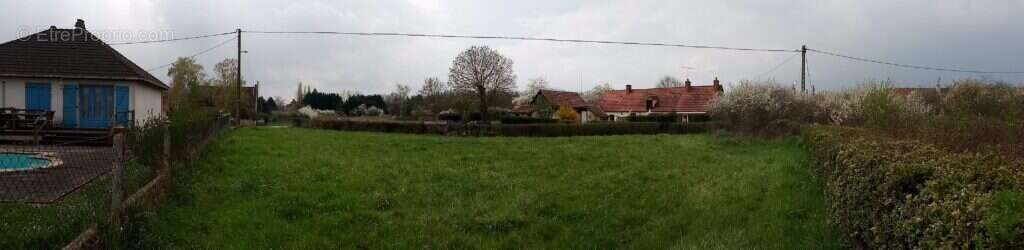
column 688, row 101
column 79, row 79
column 546, row 102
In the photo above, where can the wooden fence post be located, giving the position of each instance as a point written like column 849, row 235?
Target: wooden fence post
column 167, row 148
column 116, row 182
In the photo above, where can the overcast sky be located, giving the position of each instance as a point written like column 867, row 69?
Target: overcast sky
column 980, row 35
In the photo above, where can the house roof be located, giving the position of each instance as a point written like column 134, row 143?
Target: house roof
column 694, row 99
column 69, row 53
column 563, row 98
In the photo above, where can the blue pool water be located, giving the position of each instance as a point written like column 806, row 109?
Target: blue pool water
column 15, row 161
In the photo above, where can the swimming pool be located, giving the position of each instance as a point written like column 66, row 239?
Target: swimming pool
column 22, row 161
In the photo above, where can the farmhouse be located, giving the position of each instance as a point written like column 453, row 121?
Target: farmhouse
column 75, row 80
column 546, row 102
column 688, row 101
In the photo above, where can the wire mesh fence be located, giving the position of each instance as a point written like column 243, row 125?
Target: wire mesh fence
column 46, row 173
column 51, row 190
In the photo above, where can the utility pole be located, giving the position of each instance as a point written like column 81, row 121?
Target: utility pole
column 803, row 69
column 238, row 87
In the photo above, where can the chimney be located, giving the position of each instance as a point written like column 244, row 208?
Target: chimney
column 80, row 24
column 687, row 83
column 629, row 89
column 717, row 84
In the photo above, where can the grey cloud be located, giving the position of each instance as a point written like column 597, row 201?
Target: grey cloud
column 961, row 34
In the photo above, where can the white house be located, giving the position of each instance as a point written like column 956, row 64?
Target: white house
column 85, row 82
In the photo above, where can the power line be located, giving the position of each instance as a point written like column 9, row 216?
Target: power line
column 196, row 54
column 914, row 66
column 777, row 66
column 520, row 38
column 174, row 39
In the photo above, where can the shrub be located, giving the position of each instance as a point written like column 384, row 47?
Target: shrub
column 880, row 107
column 526, row 120
column 751, row 107
column 567, row 114
column 972, row 115
column 886, row 193
column 449, row 116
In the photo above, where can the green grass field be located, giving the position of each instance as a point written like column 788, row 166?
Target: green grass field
column 316, row 189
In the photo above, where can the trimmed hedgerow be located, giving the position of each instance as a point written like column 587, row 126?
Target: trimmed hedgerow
column 654, row 118
column 902, row 194
column 537, row 130
column 526, row 120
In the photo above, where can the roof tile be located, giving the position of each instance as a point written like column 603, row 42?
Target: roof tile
column 694, row 99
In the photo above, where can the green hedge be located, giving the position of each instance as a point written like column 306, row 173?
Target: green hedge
column 537, row 130
column 899, row 194
column 653, row 118
column 526, row 120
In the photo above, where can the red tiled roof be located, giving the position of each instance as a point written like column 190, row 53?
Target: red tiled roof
column 69, row 53
column 564, row 98
column 676, row 99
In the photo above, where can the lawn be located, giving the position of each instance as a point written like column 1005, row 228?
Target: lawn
column 263, row 188
column 52, row 226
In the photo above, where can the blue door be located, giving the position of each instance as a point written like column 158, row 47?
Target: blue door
column 37, row 96
column 121, row 103
column 70, row 106
column 97, row 106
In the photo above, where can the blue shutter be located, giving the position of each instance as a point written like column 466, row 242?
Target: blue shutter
column 37, row 96
column 70, row 106
column 121, row 104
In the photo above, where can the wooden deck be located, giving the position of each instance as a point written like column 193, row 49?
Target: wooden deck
column 56, row 136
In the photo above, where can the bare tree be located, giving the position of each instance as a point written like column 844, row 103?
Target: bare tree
column 594, row 95
column 479, row 71
column 534, row 85
column 434, row 93
column 396, row 101
column 668, row 82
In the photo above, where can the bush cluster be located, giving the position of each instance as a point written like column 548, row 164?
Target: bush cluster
column 972, row 115
column 764, row 108
column 535, row 130
column 526, row 120
column 449, row 116
column 903, row 194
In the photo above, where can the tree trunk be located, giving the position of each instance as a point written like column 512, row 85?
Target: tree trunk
column 483, row 104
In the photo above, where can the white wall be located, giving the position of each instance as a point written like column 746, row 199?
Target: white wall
column 14, row 93
column 144, row 99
